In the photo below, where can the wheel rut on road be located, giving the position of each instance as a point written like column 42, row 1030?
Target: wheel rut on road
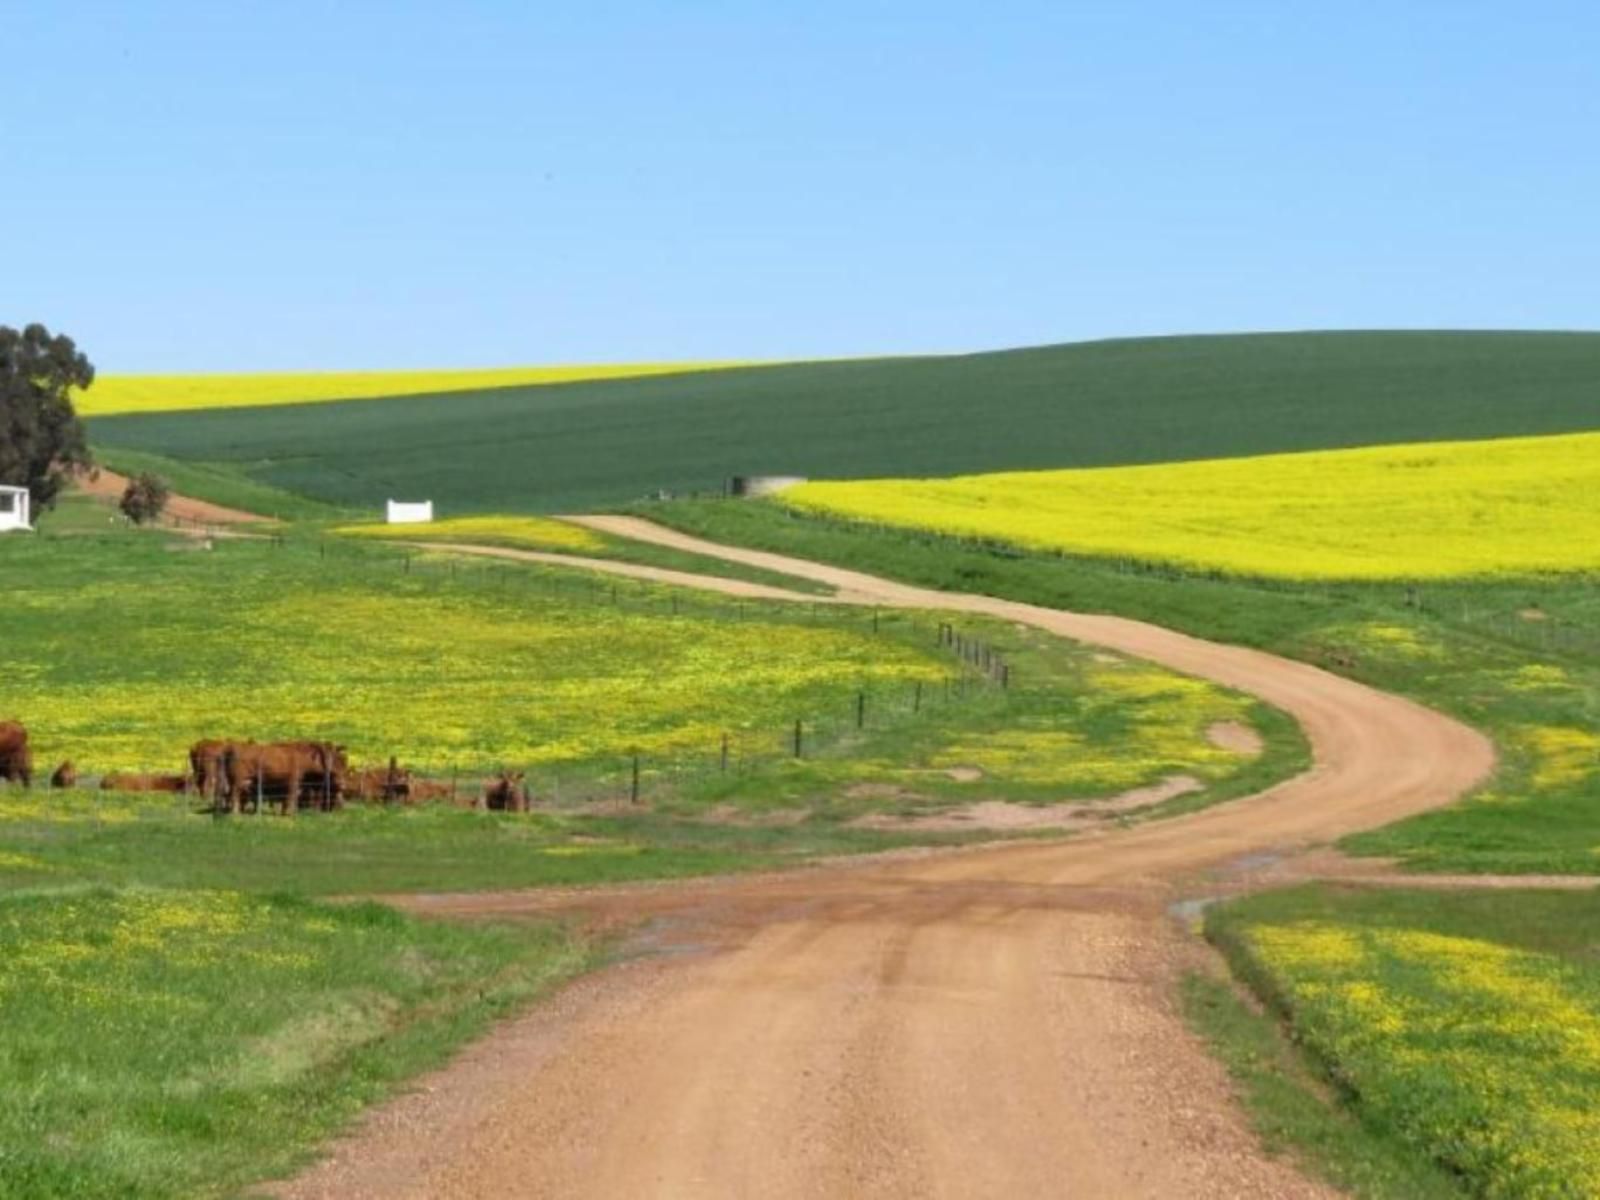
column 992, row 1021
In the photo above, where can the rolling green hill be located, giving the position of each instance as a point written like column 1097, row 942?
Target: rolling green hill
column 582, row 445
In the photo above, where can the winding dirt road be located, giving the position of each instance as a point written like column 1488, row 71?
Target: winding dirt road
column 993, row 1022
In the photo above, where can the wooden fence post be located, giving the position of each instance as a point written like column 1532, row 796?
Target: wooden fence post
column 797, row 735
column 634, row 791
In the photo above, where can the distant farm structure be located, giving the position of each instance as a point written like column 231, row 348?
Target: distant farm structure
column 406, row 512
column 13, row 508
column 751, row 486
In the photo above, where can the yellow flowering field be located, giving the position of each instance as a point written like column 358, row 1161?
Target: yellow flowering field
column 111, row 394
column 1425, row 511
column 121, row 659
column 534, row 533
column 1468, row 1024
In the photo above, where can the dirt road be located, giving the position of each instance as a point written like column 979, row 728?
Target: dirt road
column 995, row 1022
column 109, row 485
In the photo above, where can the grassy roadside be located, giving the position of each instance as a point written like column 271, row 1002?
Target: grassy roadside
column 1466, row 1024
column 1513, row 658
column 1292, row 1109
column 162, row 1043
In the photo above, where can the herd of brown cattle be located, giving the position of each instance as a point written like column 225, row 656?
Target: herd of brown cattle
column 235, row 775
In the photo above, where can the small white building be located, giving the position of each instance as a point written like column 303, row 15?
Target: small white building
column 404, row 512
column 13, row 508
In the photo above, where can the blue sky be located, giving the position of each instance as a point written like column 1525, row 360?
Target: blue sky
column 278, row 186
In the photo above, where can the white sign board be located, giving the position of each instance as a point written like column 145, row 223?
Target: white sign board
column 13, row 508
column 403, row 512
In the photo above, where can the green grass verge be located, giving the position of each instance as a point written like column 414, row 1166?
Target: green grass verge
column 573, row 446
column 166, row 1043
column 1519, row 659
column 1465, row 1023
column 1291, row 1106
column 91, row 837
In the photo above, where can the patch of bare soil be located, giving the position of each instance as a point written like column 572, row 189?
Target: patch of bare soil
column 109, row 485
column 732, row 814
column 1002, row 815
column 1235, row 736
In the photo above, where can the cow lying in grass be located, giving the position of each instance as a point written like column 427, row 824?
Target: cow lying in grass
column 133, row 781
column 65, row 776
column 386, row 785
column 504, row 793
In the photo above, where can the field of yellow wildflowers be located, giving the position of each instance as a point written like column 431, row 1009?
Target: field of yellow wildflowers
column 120, row 660
column 1427, row 511
column 112, row 394
column 1467, row 1023
column 126, row 652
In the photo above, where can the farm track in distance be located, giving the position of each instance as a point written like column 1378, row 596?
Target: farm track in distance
column 992, row 1021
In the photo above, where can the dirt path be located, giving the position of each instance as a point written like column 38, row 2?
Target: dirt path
column 992, row 1022
column 109, row 485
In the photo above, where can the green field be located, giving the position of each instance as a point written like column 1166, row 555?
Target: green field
column 576, row 446
column 162, row 1043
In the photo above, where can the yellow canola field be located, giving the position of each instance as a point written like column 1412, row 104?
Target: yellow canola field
column 535, row 533
column 1422, row 511
column 112, row 394
column 1481, row 1053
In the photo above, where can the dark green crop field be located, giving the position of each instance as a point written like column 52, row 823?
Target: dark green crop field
column 584, row 445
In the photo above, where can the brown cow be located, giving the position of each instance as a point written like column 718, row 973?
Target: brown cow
column 424, row 791
column 205, row 768
column 380, row 783
column 66, row 776
column 282, row 771
column 16, row 760
column 504, row 793
column 133, row 781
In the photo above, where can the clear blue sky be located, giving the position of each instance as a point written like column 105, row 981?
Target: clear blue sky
column 213, row 186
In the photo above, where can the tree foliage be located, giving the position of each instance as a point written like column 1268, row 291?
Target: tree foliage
column 145, row 498
column 41, row 439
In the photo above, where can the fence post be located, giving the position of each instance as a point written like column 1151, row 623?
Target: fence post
column 724, row 754
column 916, row 698
column 797, row 739
column 861, row 709
column 634, row 789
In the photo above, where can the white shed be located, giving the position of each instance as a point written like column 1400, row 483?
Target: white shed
column 404, row 512
column 13, row 508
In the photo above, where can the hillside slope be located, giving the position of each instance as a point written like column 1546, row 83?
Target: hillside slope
column 1087, row 404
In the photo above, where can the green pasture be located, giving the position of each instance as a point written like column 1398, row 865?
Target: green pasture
column 571, row 447
column 167, row 1043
